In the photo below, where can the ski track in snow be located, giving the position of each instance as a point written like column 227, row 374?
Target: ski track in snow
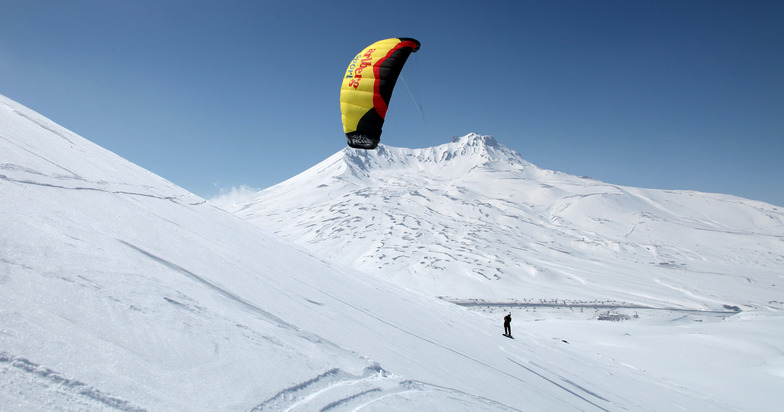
column 340, row 387
column 337, row 390
column 336, row 387
column 330, row 389
column 234, row 298
column 96, row 189
column 564, row 387
column 67, row 394
column 457, row 352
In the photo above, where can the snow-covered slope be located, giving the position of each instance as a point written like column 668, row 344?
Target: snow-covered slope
column 121, row 291
column 471, row 219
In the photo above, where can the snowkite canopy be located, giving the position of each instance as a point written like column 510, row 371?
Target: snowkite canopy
column 367, row 88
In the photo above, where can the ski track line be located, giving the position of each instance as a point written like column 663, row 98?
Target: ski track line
column 336, row 389
column 295, row 393
column 223, row 292
column 234, row 298
column 408, row 332
column 350, row 398
column 307, row 393
column 93, row 189
column 564, row 387
column 424, row 386
column 50, row 378
column 26, row 149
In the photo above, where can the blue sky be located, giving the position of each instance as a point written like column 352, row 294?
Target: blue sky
column 217, row 94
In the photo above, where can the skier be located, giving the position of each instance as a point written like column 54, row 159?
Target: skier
column 508, row 325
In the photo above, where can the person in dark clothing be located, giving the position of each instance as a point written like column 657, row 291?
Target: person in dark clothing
column 508, row 324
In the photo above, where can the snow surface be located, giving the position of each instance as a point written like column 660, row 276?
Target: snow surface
column 472, row 222
column 472, row 219
column 122, row 291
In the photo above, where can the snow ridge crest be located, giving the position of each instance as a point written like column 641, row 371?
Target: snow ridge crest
column 462, row 153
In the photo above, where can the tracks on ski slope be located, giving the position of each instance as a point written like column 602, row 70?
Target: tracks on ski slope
column 430, row 388
column 268, row 316
column 31, row 386
column 336, row 390
column 576, row 388
column 97, row 188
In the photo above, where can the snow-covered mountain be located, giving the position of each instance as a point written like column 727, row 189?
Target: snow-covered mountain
column 122, row 291
column 471, row 219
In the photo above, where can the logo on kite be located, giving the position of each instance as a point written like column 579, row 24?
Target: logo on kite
column 355, row 73
column 367, row 88
column 360, row 141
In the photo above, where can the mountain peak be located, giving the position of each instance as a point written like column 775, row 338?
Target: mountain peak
column 483, row 149
column 474, row 139
column 460, row 155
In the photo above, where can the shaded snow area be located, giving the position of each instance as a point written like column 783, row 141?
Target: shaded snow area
column 122, row 291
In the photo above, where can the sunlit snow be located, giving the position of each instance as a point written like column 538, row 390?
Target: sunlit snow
column 122, row 291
